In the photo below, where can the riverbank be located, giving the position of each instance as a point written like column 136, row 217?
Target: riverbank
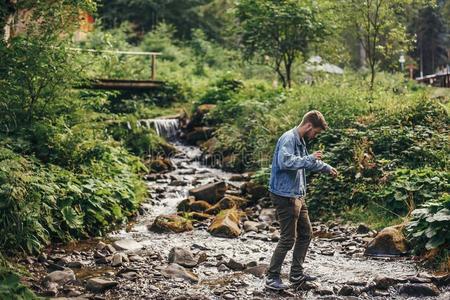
column 137, row 263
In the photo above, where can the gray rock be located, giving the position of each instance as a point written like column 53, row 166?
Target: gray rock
column 100, row 246
column 118, row 259
column 384, row 282
column 42, row 257
column 275, row 236
column 103, row 260
column 251, row 226
column 129, row 275
column 60, row 276
column 223, row 268
column 51, row 289
column 268, row 215
column 177, row 271
column 419, row 289
column 182, row 257
column 127, row 245
column 72, row 292
column 136, row 258
column 110, row 249
column 362, row 228
column 98, row 254
column 346, row 290
column 327, row 252
column 235, row 265
column 252, row 263
column 98, row 285
column 74, row 264
column 212, row 192
column 257, row 271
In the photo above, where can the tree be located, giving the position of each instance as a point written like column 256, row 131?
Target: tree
column 35, row 72
column 432, row 38
column 280, row 31
column 379, row 27
column 185, row 15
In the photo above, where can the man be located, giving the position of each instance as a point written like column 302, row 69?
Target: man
column 287, row 190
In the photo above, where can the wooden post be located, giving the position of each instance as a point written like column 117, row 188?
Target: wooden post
column 411, row 71
column 153, row 66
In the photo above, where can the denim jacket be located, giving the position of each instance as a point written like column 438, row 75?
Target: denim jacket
column 290, row 160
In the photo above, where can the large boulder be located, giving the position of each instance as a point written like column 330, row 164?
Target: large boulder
column 182, row 257
column 177, row 271
column 199, row 114
column 192, row 205
column 227, row 202
column 160, row 164
column 171, row 223
column 389, row 241
column 226, row 224
column 185, row 205
column 251, row 226
column 126, row 245
column 199, row 206
column 98, row 285
column 212, row 192
column 61, row 276
column 419, row 289
column 199, row 134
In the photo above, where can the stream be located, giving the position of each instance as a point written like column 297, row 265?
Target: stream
column 226, row 268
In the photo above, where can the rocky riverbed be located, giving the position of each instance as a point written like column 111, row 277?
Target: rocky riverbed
column 145, row 261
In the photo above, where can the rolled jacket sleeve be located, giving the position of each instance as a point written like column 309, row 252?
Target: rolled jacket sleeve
column 287, row 159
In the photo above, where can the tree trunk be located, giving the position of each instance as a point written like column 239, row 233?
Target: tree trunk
column 372, row 75
column 8, row 22
column 282, row 77
column 288, row 75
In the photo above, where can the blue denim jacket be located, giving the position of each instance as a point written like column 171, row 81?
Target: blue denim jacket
column 290, row 160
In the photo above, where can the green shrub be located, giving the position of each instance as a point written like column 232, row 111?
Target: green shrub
column 223, row 90
column 429, row 228
column 390, row 146
column 43, row 203
column 11, row 287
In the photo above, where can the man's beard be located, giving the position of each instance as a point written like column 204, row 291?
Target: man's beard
column 306, row 137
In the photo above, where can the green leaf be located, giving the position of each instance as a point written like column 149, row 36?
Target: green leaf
column 435, row 242
column 71, row 218
column 430, row 232
column 419, row 213
column 442, row 215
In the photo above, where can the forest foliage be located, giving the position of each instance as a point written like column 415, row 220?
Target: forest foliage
column 70, row 167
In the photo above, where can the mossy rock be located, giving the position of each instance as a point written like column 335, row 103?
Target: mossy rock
column 227, row 202
column 389, row 241
column 171, row 223
column 226, row 224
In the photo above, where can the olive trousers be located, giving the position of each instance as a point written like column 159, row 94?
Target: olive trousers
column 295, row 232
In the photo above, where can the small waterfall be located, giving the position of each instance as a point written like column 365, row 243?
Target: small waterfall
column 167, row 128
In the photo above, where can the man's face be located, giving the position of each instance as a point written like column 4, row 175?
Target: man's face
column 312, row 132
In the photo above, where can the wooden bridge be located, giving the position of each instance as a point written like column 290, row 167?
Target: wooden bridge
column 125, row 84
column 441, row 79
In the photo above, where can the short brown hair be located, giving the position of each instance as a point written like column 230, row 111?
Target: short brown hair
column 316, row 119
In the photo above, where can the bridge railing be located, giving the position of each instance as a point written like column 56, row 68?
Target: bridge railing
column 153, row 56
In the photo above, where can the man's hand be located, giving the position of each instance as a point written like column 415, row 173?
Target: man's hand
column 318, row 154
column 334, row 172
